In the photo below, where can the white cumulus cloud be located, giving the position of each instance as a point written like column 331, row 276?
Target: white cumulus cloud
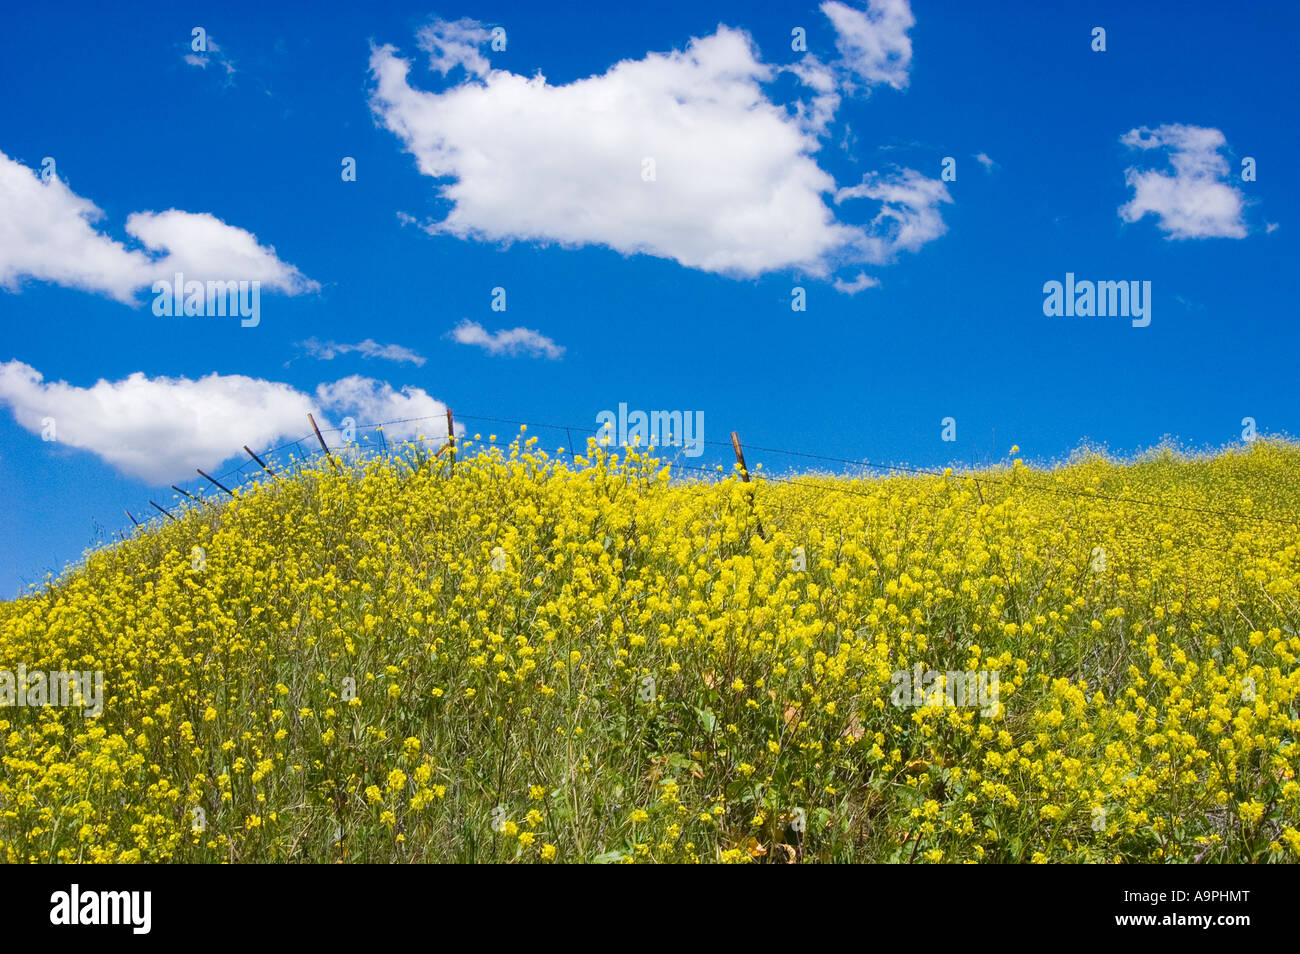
column 680, row 155
column 411, row 411
column 159, row 429
column 204, row 247
column 1197, row 201
column 49, row 233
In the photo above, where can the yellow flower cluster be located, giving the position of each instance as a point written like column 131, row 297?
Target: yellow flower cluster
column 529, row 657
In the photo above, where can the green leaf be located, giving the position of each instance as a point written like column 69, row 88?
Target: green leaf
column 707, row 719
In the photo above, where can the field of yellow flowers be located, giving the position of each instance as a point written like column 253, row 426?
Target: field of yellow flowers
column 531, row 658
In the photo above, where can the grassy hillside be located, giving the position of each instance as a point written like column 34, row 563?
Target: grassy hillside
column 538, row 660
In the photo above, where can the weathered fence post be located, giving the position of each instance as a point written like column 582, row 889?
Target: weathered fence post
column 451, row 441
column 323, row 446
column 215, row 481
column 261, row 464
column 744, row 476
column 191, row 496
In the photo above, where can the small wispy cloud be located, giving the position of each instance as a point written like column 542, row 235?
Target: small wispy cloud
column 512, row 341
column 1197, row 201
column 909, row 216
column 208, row 53
column 329, row 350
column 861, row 283
column 983, row 159
column 873, row 43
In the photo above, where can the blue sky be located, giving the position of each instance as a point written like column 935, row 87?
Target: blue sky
column 1122, row 165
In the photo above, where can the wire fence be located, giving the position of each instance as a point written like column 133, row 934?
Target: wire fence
column 1002, row 482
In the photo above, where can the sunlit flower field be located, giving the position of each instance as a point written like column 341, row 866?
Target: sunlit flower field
column 529, row 658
